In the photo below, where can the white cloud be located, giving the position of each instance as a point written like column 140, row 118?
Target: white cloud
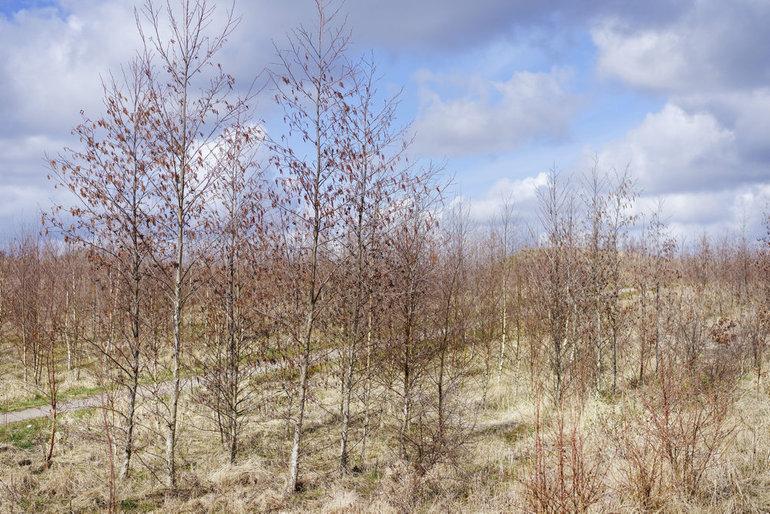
column 652, row 59
column 50, row 65
column 714, row 45
column 522, row 193
column 709, row 58
column 694, row 166
column 688, row 214
column 492, row 116
column 673, row 150
column 51, row 61
column 713, row 65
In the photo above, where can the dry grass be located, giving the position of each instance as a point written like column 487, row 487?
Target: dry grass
column 491, row 475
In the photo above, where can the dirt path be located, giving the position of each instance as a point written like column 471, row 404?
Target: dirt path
column 44, row 412
column 82, row 403
column 98, row 400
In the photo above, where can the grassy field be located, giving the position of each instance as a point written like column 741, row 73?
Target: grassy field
column 493, row 466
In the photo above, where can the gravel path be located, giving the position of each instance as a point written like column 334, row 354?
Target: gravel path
column 164, row 388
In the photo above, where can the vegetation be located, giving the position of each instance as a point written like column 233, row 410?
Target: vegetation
column 295, row 318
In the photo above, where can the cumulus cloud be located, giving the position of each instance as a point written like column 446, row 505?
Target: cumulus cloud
column 695, row 167
column 521, row 194
column 673, row 150
column 706, row 152
column 647, row 59
column 441, row 25
column 689, row 214
column 746, row 113
column 711, row 46
column 51, row 61
column 492, row 116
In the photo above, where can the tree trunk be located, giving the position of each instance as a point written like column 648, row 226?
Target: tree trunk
column 367, row 385
column 614, row 358
column 128, row 449
column 176, row 378
column 504, row 334
column 347, row 394
column 298, row 422
column 657, row 327
column 406, row 370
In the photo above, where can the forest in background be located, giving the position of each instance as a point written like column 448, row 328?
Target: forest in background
column 301, row 318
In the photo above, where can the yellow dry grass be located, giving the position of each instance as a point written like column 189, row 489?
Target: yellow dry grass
column 489, row 476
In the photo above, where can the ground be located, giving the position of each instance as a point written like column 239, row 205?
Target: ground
column 491, row 471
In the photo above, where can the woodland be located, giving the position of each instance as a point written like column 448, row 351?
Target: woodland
column 235, row 316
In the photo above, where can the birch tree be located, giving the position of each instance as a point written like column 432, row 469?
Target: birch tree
column 234, row 227
column 373, row 178
column 110, row 177
column 193, row 102
column 310, row 85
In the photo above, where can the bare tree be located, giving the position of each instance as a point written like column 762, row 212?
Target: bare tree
column 556, row 277
column 505, row 229
column 619, row 222
column 52, row 312
column 110, row 177
column 310, row 87
column 231, row 336
column 596, row 205
column 410, row 258
column 374, row 179
column 187, row 120
column 24, row 310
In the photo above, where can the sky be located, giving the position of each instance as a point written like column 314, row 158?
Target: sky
column 499, row 91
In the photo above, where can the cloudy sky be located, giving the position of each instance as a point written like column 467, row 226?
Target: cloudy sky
column 499, row 90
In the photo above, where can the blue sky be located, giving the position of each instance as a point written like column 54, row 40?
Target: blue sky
column 499, row 90
column 9, row 7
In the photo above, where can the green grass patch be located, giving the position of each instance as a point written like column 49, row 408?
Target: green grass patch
column 140, row 504
column 24, row 434
column 79, row 392
column 129, row 505
column 518, row 432
column 81, row 414
column 38, row 400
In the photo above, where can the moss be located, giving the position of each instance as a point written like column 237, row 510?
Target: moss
column 129, row 505
column 150, row 504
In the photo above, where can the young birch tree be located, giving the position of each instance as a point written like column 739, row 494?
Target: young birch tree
column 505, row 233
column 311, row 88
column 236, row 226
column 556, row 276
column 595, row 202
column 619, row 222
column 371, row 183
column 193, row 104
column 110, row 177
